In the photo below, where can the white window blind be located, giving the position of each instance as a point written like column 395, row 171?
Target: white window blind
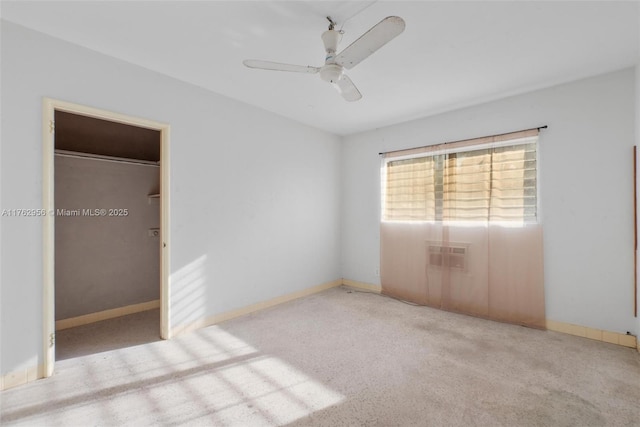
column 489, row 181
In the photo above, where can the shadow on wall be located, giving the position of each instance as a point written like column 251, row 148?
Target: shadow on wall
column 188, row 293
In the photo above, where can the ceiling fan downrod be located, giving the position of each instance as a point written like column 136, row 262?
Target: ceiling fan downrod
column 332, row 24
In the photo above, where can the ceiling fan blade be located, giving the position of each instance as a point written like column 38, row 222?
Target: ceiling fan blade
column 276, row 66
column 379, row 35
column 347, row 89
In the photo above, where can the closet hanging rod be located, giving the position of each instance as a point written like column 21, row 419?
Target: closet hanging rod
column 80, row 155
column 452, row 142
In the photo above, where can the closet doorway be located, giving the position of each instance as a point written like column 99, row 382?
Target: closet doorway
column 105, row 191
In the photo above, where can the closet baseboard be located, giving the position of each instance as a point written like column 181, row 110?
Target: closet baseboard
column 85, row 319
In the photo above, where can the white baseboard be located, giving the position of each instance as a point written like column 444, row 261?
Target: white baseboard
column 20, row 377
column 594, row 334
column 362, row 285
column 212, row 320
column 72, row 322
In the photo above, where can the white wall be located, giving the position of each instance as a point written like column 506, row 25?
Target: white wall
column 585, row 187
column 254, row 196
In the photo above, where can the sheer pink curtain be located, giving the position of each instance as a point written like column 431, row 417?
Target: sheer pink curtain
column 459, row 231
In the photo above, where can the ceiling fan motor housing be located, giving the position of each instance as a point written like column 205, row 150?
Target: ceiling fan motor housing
column 331, row 72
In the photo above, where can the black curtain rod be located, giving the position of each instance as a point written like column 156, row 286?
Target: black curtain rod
column 451, row 142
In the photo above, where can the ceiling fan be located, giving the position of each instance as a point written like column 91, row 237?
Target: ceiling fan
column 333, row 69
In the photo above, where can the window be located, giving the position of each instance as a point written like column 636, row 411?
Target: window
column 493, row 182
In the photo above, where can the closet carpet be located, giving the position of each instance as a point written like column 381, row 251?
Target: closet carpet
column 337, row 358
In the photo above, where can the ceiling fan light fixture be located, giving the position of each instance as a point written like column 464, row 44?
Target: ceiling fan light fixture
column 331, row 73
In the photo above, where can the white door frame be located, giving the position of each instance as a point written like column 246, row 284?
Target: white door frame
column 48, row 126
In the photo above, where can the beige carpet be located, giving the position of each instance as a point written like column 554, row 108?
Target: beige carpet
column 338, row 358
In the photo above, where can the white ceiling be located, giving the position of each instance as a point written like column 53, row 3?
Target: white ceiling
column 452, row 54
